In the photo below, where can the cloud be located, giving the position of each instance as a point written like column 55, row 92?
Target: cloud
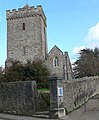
column 77, row 49
column 93, row 44
column 92, row 39
column 75, row 52
column 93, row 33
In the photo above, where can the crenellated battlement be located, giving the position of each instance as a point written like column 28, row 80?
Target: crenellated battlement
column 26, row 11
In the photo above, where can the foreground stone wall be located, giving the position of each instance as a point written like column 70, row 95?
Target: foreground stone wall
column 17, row 97
column 77, row 91
column 21, row 98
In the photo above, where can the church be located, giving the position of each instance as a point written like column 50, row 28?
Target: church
column 27, row 40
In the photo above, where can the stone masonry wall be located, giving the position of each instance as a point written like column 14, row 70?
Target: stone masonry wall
column 63, row 69
column 21, row 98
column 55, row 70
column 18, row 97
column 30, row 43
column 77, row 91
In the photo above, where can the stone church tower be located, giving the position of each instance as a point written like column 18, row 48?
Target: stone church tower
column 26, row 34
column 26, row 40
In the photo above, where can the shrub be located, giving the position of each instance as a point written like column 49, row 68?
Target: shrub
column 35, row 70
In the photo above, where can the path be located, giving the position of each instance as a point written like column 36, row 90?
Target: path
column 92, row 111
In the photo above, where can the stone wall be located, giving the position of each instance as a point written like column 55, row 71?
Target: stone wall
column 28, row 43
column 58, row 69
column 63, row 67
column 21, row 98
column 77, row 91
column 42, row 101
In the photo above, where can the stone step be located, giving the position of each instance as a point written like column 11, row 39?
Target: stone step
column 43, row 114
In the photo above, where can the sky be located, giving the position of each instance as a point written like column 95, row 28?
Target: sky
column 72, row 25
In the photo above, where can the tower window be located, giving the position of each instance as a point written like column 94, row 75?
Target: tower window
column 44, row 30
column 24, row 51
column 55, row 61
column 23, row 26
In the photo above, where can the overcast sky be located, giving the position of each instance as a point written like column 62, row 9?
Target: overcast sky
column 71, row 24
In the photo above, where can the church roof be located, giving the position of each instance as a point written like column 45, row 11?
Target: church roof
column 55, row 47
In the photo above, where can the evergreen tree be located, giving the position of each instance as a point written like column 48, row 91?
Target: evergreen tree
column 88, row 63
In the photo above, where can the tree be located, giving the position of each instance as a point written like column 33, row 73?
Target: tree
column 35, row 70
column 88, row 63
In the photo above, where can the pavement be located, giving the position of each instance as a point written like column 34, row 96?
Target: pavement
column 16, row 117
column 90, row 113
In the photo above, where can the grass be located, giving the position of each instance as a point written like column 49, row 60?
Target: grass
column 43, row 89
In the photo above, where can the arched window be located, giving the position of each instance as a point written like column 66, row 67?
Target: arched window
column 55, row 61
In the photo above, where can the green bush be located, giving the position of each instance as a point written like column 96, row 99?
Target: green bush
column 35, row 70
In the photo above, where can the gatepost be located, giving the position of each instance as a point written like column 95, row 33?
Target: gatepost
column 56, row 98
